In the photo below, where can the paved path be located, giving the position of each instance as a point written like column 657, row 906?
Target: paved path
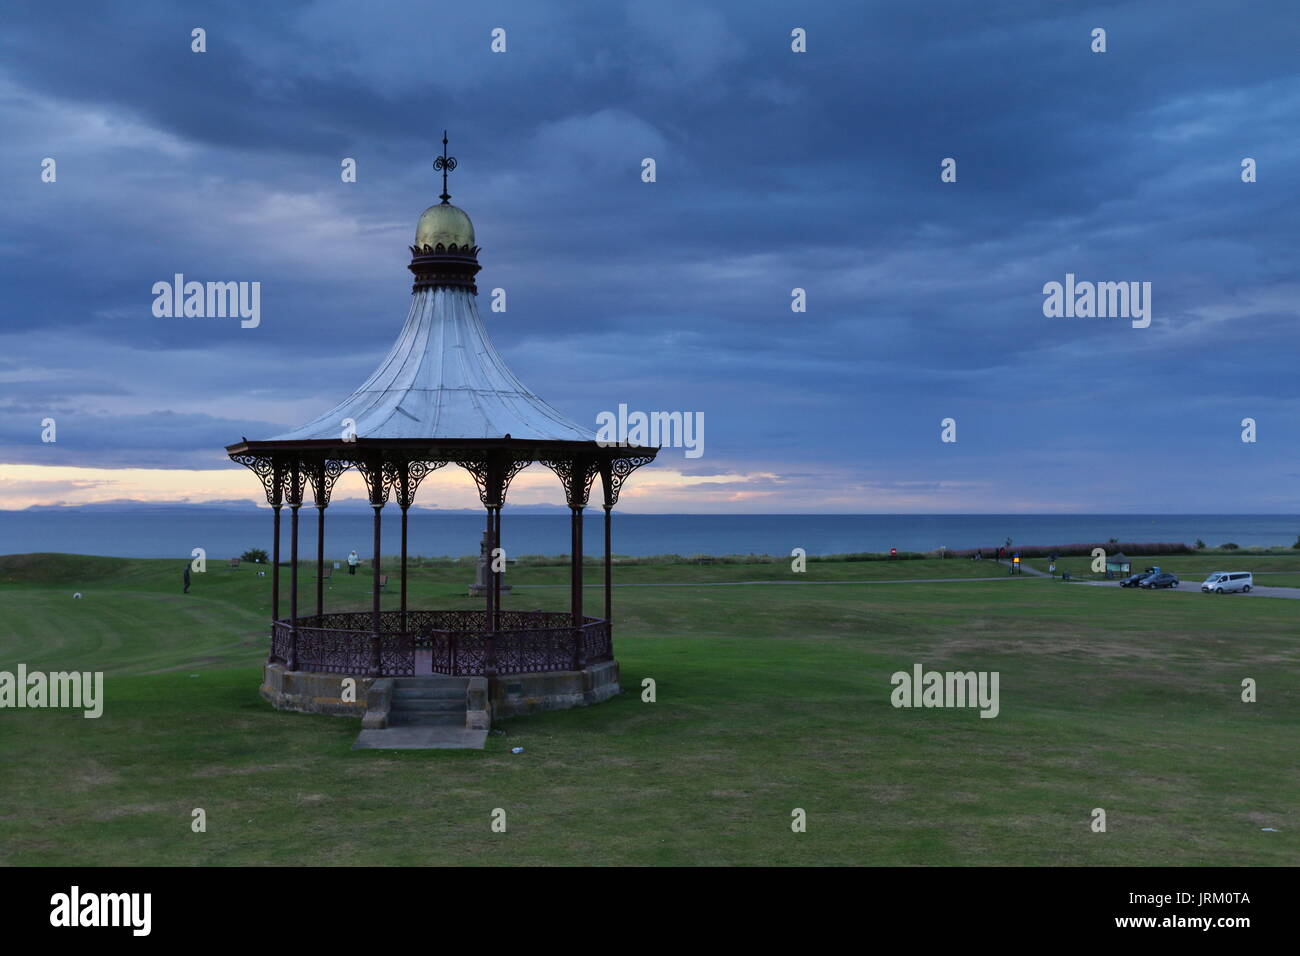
column 1026, row 569
column 1194, row 587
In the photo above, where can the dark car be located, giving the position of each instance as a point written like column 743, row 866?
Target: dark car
column 1134, row 580
column 1162, row 580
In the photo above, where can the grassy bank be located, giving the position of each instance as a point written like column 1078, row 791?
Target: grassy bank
column 770, row 697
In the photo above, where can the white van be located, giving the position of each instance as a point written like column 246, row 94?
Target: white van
column 1224, row 582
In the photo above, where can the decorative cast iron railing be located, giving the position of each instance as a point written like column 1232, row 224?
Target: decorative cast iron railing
column 458, row 643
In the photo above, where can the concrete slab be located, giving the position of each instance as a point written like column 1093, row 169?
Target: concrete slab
column 421, row 738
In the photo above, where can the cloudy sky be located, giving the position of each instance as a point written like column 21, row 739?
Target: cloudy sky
column 775, row 170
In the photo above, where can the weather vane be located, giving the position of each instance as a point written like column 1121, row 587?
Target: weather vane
column 446, row 164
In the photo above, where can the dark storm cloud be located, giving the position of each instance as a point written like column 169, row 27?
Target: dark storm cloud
column 775, row 170
column 84, row 437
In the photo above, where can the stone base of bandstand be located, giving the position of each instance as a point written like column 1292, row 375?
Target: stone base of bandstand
column 491, row 698
column 311, row 692
column 519, row 694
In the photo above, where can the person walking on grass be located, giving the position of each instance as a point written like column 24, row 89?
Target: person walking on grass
column 352, row 562
column 187, row 578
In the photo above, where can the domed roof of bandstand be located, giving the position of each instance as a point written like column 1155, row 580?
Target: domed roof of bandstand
column 443, row 379
column 445, row 224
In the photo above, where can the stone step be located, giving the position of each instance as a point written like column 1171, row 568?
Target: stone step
column 429, row 706
column 405, row 718
column 432, row 701
column 421, row 738
column 429, row 693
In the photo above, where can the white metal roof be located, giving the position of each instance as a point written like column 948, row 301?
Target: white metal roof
column 443, row 379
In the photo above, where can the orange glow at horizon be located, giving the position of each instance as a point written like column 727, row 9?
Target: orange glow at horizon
column 23, row 486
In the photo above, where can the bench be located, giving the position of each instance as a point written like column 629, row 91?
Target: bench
column 327, row 574
column 234, row 562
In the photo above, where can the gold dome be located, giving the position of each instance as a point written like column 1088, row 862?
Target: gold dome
column 444, row 223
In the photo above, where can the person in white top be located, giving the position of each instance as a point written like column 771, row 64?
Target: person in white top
column 352, row 563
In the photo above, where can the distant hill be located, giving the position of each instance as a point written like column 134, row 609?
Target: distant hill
column 237, row 506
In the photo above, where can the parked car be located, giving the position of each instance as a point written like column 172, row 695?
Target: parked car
column 1161, row 580
column 1135, row 580
column 1225, row 582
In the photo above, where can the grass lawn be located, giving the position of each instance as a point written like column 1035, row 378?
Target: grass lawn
column 770, row 697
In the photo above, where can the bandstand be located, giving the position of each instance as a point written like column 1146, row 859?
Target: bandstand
column 443, row 395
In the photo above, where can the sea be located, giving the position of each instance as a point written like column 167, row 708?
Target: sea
column 176, row 532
